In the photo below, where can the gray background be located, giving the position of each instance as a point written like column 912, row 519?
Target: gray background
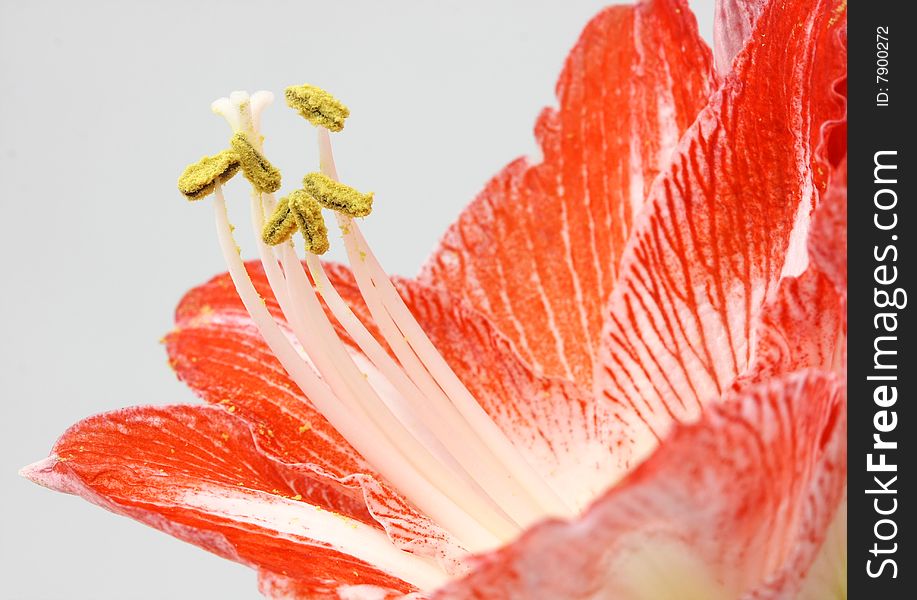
column 101, row 106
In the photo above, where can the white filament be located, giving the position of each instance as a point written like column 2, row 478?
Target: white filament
column 355, row 427
column 423, row 431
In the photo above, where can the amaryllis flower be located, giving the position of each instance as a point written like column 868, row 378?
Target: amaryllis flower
column 620, row 375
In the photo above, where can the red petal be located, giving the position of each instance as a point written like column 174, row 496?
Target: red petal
column 825, row 578
column 828, row 240
column 217, row 350
column 717, row 510
column 538, row 249
column 805, row 324
column 733, row 24
column 720, row 227
column 802, row 327
column 563, row 433
column 280, row 587
column 410, row 529
column 196, row 473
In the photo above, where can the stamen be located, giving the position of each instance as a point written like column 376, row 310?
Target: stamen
column 526, row 507
column 199, row 179
column 256, row 168
column 299, row 303
column 488, row 431
column 364, row 263
column 501, row 484
column 298, row 210
column 336, row 196
column 410, row 415
column 427, row 402
column 308, row 214
column 281, row 226
column 317, row 106
column 312, row 329
column 354, row 426
column 351, row 386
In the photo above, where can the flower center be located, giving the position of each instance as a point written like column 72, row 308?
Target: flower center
column 409, row 415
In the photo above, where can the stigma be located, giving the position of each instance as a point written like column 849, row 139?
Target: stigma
column 413, row 420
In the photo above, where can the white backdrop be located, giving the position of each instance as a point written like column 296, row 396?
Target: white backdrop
column 101, row 106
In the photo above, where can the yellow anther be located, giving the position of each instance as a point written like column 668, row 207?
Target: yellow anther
column 308, row 214
column 300, row 211
column 257, row 169
column 199, row 179
column 337, row 196
column 317, row 106
column 280, row 227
